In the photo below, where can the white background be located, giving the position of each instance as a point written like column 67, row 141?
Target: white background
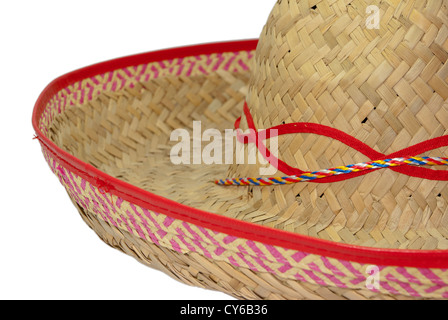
column 46, row 250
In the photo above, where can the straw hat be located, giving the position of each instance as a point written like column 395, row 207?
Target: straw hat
column 337, row 90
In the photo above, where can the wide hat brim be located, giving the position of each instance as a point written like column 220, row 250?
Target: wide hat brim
column 105, row 132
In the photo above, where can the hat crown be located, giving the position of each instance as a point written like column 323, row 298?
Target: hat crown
column 326, row 62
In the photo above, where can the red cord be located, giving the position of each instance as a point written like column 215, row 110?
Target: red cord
column 313, row 128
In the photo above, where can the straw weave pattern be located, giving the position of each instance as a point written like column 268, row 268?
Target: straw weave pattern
column 152, row 237
column 315, row 63
column 87, row 89
column 287, row 265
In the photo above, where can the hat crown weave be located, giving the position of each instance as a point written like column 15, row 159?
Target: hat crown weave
column 320, row 61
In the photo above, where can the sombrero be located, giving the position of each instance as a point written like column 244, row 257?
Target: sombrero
column 352, row 115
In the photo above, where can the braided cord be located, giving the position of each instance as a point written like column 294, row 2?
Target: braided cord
column 310, row 176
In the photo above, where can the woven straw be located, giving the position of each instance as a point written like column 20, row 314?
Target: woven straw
column 315, row 62
column 384, row 87
column 241, row 283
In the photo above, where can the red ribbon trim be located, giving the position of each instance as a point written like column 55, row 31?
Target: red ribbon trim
column 313, row 128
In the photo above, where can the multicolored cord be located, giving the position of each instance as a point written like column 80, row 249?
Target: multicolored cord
column 310, row 176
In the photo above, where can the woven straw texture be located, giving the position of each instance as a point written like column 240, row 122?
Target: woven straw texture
column 242, row 268
column 316, row 62
column 384, row 87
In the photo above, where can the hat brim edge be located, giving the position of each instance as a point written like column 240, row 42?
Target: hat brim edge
column 151, row 201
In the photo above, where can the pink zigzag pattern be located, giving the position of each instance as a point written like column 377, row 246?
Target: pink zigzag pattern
column 141, row 222
column 255, row 256
column 128, row 77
